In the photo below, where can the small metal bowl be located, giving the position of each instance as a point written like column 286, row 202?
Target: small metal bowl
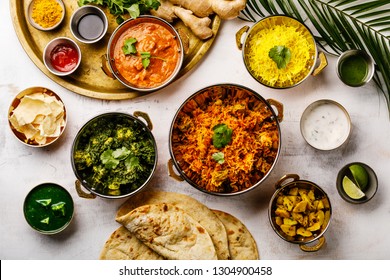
column 325, row 125
column 48, row 52
column 370, row 190
column 279, row 209
column 19, row 133
column 39, row 27
column 88, row 24
column 48, row 208
column 351, row 59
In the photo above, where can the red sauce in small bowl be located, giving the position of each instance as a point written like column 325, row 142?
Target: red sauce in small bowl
column 64, row 57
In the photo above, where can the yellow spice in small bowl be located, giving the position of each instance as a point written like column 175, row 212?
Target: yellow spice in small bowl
column 282, row 32
column 46, row 13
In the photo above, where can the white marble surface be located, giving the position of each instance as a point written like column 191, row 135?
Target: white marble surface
column 355, row 232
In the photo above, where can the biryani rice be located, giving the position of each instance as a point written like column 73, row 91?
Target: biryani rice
column 247, row 158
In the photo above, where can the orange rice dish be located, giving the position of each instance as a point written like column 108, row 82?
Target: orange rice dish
column 247, row 158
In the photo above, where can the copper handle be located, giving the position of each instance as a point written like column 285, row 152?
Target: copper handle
column 239, row 34
column 145, row 116
column 286, row 177
column 82, row 193
column 105, row 67
column 279, row 108
column 172, row 173
column 322, row 65
column 316, row 247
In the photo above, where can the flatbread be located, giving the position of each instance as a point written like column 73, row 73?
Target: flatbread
column 242, row 245
column 170, row 231
column 123, row 245
column 198, row 211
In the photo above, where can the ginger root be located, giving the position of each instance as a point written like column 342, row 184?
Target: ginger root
column 165, row 11
column 199, row 26
column 228, row 9
column 225, row 9
column 195, row 14
column 199, row 8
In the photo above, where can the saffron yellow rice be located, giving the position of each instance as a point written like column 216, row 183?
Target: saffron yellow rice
column 280, row 31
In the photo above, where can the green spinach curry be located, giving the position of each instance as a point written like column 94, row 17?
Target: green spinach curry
column 48, row 208
column 114, row 155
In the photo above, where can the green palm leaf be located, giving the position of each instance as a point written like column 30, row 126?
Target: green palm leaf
column 340, row 25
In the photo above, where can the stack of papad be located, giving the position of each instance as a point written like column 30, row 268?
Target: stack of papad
column 231, row 239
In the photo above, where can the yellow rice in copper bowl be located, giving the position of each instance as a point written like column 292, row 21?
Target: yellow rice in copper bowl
column 280, row 31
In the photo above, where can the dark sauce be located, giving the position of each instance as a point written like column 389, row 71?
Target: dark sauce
column 90, row 27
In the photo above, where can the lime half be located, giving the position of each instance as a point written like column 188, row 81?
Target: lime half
column 360, row 175
column 351, row 189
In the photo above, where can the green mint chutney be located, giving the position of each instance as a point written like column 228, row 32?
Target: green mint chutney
column 48, row 208
column 353, row 70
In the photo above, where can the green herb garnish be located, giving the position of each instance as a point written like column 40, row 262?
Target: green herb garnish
column 281, row 55
column 134, row 8
column 111, row 158
column 219, row 157
column 129, row 46
column 222, row 135
column 145, row 59
column 108, row 159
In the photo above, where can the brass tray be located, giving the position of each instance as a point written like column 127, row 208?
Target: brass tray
column 90, row 80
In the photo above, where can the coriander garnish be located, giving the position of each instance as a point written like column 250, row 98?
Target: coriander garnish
column 129, row 48
column 219, row 157
column 281, row 55
column 222, row 135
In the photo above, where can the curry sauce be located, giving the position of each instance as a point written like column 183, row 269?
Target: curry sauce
column 164, row 50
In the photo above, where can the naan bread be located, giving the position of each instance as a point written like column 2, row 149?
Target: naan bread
column 170, row 231
column 198, row 211
column 242, row 245
column 123, row 245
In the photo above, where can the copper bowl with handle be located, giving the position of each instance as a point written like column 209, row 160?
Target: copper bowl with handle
column 300, row 212
column 246, row 160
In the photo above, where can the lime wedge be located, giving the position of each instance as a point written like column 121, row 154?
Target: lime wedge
column 351, row 189
column 360, row 176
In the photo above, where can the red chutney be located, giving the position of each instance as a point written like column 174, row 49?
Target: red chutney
column 64, row 57
column 163, row 48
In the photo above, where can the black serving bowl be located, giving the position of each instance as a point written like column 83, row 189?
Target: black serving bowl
column 371, row 189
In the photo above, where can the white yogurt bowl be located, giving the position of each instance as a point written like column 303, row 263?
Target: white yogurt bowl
column 325, row 125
